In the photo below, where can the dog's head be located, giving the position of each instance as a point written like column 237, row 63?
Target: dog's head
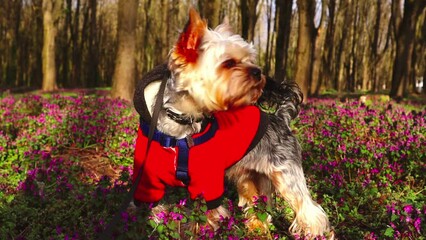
column 217, row 68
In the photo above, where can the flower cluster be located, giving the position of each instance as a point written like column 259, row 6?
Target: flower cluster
column 405, row 221
column 34, row 123
column 363, row 157
column 364, row 164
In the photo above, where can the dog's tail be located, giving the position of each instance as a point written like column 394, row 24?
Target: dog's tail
column 285, row 97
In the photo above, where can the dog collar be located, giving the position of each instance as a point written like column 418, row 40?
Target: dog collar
column 184, row 144
column 182, row 119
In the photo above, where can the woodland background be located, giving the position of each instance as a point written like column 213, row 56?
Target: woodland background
column 66, row 152
column 326, row 46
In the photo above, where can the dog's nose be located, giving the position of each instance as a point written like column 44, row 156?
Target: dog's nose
column 256, row 73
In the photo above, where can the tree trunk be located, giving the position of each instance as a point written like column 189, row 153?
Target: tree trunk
column 123, row 82
column 405, row 36
column 65, row 44
column 210, row 10
column 283, row 28
column 36, row 59
column 328, row 56
column 341, row 60
column 49, row 47
column 147, row 50
column 374, row 49
column 269, row 36
column 248, row 18
column 317, row 53
column 92, row 71
column 76, row 50
column 304, row 53
column 352, row 67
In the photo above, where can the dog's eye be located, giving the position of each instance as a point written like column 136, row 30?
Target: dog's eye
column 230, row 63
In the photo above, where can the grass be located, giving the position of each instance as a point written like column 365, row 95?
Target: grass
column 66, row 166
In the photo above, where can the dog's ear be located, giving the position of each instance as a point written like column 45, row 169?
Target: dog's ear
column 186, row 48
column 224, row 27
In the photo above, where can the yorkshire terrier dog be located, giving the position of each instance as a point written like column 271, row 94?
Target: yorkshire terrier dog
column 209, row 128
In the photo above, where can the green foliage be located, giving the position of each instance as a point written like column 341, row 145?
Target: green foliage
column 362, row 158
column 364, row 164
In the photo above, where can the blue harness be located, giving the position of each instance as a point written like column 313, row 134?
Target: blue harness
column 183, row 144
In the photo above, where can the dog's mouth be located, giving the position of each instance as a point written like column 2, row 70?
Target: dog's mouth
column 245, row 93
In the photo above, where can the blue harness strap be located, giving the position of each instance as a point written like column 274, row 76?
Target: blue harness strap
column 182, row 144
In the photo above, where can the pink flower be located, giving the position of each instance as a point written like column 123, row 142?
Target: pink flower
column 417, row 224
column 408, row 209
column 182, row 202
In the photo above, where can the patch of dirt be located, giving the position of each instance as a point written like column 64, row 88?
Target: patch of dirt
column 93, row 161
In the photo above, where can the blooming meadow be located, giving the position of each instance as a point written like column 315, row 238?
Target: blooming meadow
column 66, row 165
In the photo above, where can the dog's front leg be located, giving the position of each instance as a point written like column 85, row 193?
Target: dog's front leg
column 310, row 218
column 250, row 185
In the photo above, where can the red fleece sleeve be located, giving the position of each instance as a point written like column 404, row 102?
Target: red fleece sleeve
column 150, row 189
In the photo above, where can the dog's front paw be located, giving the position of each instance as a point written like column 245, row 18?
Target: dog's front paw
column 258, row 226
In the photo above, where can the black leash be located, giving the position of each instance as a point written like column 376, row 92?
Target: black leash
column 107, row 233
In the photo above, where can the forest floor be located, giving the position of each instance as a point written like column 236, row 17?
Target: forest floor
column 66, row 165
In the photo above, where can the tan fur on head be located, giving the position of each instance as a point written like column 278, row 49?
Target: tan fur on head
column 217, row 68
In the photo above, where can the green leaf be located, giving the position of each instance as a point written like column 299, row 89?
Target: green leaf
column 203, row 218
column 152, row 223
column 262, row 216
column 389, row 232
column 171, row 225
column 160, row 229
column 175, row 235
column 188, row 233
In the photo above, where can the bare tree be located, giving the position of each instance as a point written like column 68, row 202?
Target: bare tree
column 269, row 36
column 375, row 47
column 283, row 28
column 76, row 38
column 318, row 39
column 341, row 59
column 51, row 11
column 328, row 52
column 210, row 10
column 125, row 69
column 352, row 65
column 356, row 44
column 405, row 36
column 304, row 53
column 248, row 18
column 92, row 71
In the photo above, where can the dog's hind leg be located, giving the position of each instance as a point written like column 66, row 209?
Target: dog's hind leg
column 310, row 218
column 251, row 185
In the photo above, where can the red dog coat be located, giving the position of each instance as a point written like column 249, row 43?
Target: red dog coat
column 238, row 131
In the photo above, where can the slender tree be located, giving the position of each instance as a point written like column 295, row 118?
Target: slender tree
column 51, row 11
column 352, row 65
column 123, row 82
column 269, row 37
column 405, row 36
column 76, row 38
column 374, row 48
column 328, row 52
column 305, row 43
column 92, row 71
column 210, row 10
column 248, row 18
column 341, row 62
column 318, row 39
column 283, row 28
